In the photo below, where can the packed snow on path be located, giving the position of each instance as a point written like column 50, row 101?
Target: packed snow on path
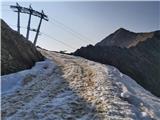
column 41, row 93
column 72, row 88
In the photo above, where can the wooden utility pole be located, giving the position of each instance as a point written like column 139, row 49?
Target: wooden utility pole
column 35, row 40
column 17, row 9
column 31, row 12
column 29, row 22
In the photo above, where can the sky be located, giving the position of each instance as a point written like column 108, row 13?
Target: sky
column 75, row 24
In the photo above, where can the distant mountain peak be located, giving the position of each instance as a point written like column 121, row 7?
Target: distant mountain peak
column 125, row 38
column 121, row 30
column 121, row 37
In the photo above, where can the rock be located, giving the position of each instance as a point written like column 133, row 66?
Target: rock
column 17, row 52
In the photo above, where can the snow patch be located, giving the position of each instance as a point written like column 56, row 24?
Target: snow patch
column 14, row 81
column 147, row 103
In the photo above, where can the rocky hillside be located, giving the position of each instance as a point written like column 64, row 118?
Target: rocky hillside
column 141, row 61
column 124, row 38
column 17, row 53
column 65, row 87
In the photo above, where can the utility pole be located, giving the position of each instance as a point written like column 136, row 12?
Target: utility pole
column 31, row 12
column 18, row 21
column 29, row 22
column 35, row 40
column 17, row 9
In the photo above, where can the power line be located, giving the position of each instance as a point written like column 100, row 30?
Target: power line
column 58, row 41
column 25, row 10
column 50, row 37
column 69, row 29
column 69, row 32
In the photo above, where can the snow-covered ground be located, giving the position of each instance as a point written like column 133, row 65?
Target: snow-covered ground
column 72, row 88
column 15, row 81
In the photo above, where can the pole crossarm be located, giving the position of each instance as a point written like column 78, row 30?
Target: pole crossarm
column 18, row 8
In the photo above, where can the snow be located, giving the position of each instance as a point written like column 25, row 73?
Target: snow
column 67, row 87
column 12, row 82
column 46, row 96
column 135, row 94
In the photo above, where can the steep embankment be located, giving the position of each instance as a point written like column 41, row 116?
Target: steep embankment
column 67, row 87
column 17, row 52
column 141, row 62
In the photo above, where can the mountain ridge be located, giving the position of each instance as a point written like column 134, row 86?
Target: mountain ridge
column 124, row 38
column 141, row 61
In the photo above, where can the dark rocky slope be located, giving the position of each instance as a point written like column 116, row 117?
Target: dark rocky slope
column 124, row 38
column 17, row 53
column 141, row 62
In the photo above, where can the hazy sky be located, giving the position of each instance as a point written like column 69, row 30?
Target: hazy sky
column 94, row 20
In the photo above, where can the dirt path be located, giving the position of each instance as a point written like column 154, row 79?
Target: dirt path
column 94, row 83
column 76, row 89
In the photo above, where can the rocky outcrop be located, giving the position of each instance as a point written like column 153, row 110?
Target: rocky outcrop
column 141, row 62
column 124, row 38
column 17, row 52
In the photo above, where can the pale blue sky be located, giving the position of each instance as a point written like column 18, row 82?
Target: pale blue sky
column 94, row 20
